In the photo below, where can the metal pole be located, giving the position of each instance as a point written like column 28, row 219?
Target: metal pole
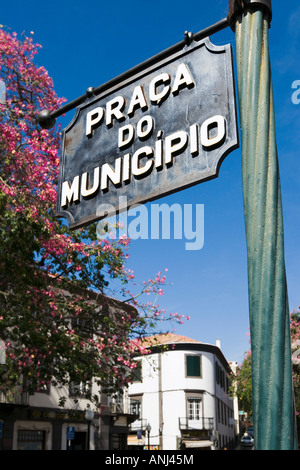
column 272, row 390
column 88, row 435
column 148, row 429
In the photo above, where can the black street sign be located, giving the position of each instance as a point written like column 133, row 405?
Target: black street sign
column 157, row 131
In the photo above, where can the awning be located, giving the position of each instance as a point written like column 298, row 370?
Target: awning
column 197, row 444
column 132, row 440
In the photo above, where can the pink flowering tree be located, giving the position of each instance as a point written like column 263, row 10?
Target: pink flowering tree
column 295, row 337
column 56, row 322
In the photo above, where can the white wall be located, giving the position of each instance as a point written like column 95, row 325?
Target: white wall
column 174, row 385
column 51, row 400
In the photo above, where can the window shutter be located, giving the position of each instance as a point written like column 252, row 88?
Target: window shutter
column 193, row 366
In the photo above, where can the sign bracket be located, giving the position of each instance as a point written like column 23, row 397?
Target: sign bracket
column 47, row 119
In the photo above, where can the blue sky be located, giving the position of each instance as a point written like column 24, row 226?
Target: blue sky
column 86, row 43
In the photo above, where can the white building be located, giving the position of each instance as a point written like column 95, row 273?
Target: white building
column 182, row 393
column 38, row 422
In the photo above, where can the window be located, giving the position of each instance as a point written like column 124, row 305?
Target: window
column 194, row 408
column 137, row 372
column 83, row 326
column 117, row 403
column 82, row 390
column 193, row 366
column 221, row 377
column 136, row 406
column 31, row 440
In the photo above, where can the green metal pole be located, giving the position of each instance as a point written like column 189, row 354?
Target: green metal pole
column 272, row 389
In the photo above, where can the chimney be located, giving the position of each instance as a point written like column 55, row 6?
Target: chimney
column 218, row 343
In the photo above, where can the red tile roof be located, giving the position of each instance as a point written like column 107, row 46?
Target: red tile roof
column 167, row 338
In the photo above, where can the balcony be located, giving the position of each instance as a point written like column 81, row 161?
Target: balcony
column 16, row 398
column 138, row 424
column 187, row 424
column 122, row 407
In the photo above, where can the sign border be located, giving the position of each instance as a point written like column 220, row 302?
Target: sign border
column 126, row 79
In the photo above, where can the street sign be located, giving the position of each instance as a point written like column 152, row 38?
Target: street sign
column 70, row 433
column 166, row 127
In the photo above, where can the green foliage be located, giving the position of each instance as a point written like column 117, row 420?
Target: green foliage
column 242, row 385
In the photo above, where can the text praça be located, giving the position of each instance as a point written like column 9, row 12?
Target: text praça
column 139, row 164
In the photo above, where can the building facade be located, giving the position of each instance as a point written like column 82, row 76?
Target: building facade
column 180, row 394
column 37, row 422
